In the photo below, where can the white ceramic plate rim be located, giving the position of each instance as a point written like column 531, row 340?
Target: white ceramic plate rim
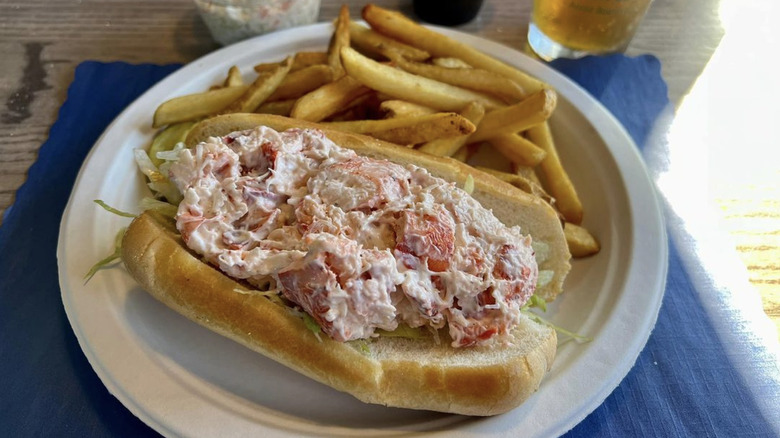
column 583, row 376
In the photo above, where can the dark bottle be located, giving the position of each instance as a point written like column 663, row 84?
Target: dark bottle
column 447, row 12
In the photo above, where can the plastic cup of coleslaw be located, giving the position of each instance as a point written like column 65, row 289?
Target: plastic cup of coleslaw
column 230, row 21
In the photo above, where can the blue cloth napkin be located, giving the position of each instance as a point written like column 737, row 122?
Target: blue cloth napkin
column 681, row 384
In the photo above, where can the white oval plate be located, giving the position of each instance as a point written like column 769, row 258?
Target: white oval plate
column 183, row 380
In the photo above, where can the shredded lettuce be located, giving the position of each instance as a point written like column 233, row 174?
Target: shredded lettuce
column 171, row 155
column 468, row 186
column 264, row 293
column 110, row 259
column 403, row 331
column 361, row 345
column 539, row 303
column 162, row 207
column 275, row 298
column 312, row 325
column 117, row 241
column 146, row 166
column 111, row 209
column 308, row 320
column 580, row 339
column 158, row 182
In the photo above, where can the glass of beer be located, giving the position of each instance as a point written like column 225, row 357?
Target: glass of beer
column 575, row 28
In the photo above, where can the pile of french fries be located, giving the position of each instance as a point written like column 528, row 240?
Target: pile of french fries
column 407, row 84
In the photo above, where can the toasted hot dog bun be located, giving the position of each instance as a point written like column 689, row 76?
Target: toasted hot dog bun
column 399, row 372
column 407, row 373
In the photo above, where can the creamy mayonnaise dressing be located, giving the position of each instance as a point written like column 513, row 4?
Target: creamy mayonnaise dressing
column 357, row 243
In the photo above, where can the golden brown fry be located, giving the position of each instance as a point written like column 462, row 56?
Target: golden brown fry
column 356, row 112
column 195, row 106
column 233, row 78
column 306, row 59
column 581, row 242
column 518, row 149
column 444, row 147
column 259, row 90
column 449, row 62
column 527, row 184
column 266, row 67
column 409, row 130
column 554, row 178
column 278, row 107
column 406, row 86
column 367, row 40
column 401, row 108
column 362, row 108
column 511, row 178
column 531, row 111
column 470, row 78
column 339, row 40
column 329, row 99
column 397, row 26
column 300, row 82
column 301, row 60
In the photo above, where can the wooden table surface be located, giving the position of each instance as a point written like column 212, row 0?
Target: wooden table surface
column 42, row 41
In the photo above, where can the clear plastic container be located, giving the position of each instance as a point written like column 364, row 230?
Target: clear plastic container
column 230, row 21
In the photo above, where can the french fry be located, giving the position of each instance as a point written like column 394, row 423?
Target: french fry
column 448, row 62
column 259, row 90
column 329, row 99
column 301, row 60
column 511, row 178
column 233, row 78
column 278, row 107
column 364, row 107
column 401, row 108
column 300, row 82
column 470, row 78
column 367, row 40
column 409, row 130
column 444, row 147
column 554, row 178
column 406, row 86
column 531, row 111
column 195, row 106
column 527, row 184
column 397, row 26
column 338, row 40
column 518, row 149
column 266, row 67
column 348, row 115
column 580, row 241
